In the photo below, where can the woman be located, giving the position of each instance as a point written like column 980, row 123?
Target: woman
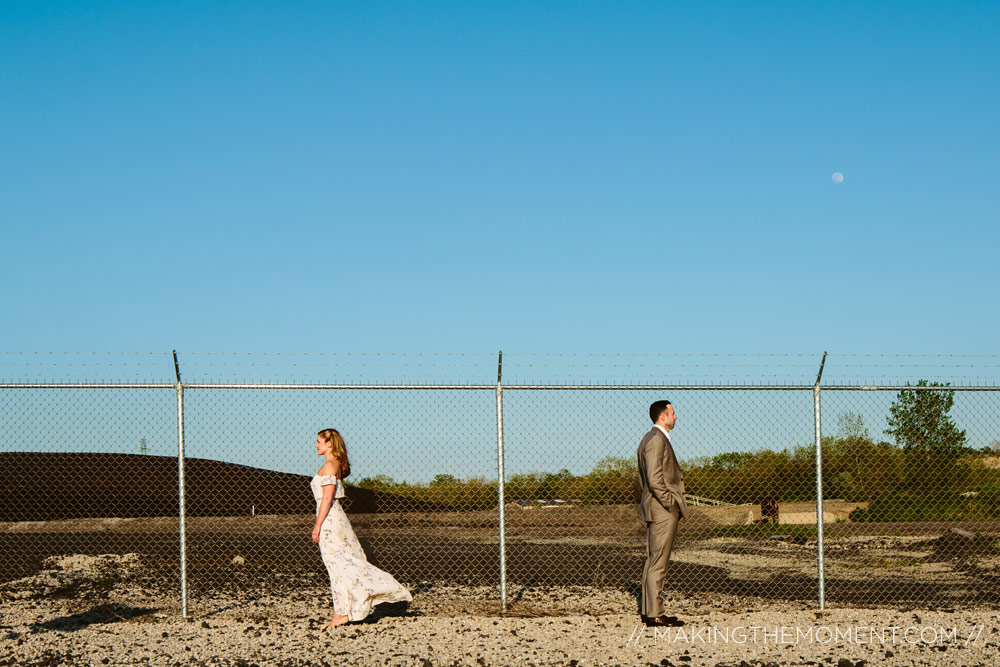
column 356, row 584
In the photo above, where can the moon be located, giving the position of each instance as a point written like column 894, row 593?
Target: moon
column 837, row 177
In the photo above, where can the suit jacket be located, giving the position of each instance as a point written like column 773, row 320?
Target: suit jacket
column 662, row 481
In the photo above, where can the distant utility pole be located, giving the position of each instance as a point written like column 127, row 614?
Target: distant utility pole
column 142, row 446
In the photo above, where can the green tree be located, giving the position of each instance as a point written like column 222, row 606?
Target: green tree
column 613, row 481
column 377, row 482
column 729, row 461
column 920, row 423
column 857, row 468
column 523, row 487
column 553, row 484
column 445, row 479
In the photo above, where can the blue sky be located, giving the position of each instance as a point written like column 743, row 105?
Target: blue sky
column 466, row 177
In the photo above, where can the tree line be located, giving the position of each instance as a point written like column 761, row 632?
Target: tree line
column 923, row 470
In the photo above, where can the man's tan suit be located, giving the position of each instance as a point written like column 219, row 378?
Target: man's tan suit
column 662, row 505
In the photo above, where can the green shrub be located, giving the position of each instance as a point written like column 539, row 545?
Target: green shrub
column 947, row 506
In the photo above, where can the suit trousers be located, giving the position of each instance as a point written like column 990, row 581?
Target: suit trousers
column 659, row 542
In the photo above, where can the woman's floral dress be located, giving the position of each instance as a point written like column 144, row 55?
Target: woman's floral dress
column 356, row 584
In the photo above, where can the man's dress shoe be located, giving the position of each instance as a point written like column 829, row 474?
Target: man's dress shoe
column 662, row 621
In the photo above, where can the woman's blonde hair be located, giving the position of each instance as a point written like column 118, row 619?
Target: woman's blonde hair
column 339, row 449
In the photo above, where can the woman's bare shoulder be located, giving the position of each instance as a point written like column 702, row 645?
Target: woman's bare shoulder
column 329, row 468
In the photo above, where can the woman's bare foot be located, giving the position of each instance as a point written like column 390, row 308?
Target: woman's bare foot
column 335, row 621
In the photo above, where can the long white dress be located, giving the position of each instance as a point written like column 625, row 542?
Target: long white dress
column 356, row 584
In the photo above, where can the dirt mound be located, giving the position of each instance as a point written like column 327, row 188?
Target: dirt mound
column 43, row 487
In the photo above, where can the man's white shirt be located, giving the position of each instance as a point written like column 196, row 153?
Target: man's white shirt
column 664, row 432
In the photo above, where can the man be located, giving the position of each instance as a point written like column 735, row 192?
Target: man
column 662, row 505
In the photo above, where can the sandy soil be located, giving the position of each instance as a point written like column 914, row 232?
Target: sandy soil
column 123, row 609
column 106, row 591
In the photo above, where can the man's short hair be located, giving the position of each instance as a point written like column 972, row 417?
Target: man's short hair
column 656, row 409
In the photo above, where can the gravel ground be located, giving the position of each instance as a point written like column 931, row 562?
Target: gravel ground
column 112, row 610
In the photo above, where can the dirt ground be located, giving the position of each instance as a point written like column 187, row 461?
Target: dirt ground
column 107, row 591
column 603, row 547
column 124, row 610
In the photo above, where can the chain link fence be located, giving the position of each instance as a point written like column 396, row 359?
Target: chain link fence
column 408, row 448
column 578, row 524
column 910, row 478
column 924, row 491
column 88, row 472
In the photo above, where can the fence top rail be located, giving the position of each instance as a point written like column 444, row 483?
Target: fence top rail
column 333, row 385
column 748, row 387
column 87, row 385
column 492, row 387
column 240, row 385
column 910, row 387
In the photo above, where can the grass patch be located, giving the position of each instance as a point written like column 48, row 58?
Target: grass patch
column 981, row 504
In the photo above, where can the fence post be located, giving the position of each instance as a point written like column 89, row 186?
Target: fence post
column 181, row 514
column 500, row 485
column 819, row 487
